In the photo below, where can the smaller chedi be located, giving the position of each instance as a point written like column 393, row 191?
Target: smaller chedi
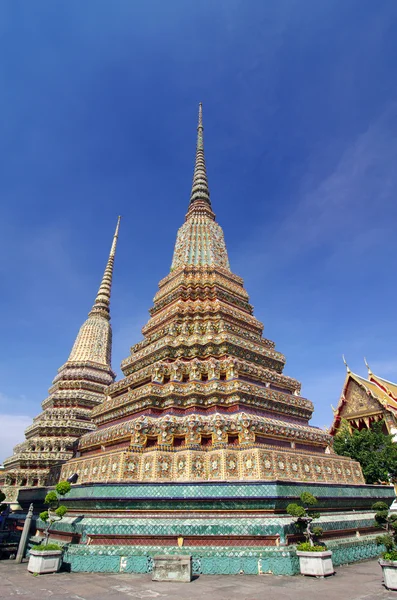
column 77, row 388
column 366, row 401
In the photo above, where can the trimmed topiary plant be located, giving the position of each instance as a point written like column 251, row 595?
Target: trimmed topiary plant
column 305, row 514
column 315, row 559
column 388, row 522
column 55, row 511
column 388, row 560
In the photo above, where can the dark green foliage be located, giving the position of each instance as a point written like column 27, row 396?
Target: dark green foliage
column 51, row 498
column 308, row 499
column 63, row 487
column 385, row 540
column 389, row 524
column 61, row 510
column 56, row 510
column 303, row 520
column 43, row 547
column 372, row 448
column 295, row 510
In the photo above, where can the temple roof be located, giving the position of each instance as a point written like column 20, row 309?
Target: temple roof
column 383, row 391
column 388, row 386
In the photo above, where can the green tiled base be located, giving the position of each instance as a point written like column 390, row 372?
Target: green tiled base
column 186, row 526
column 212, row 561
column 170, row 511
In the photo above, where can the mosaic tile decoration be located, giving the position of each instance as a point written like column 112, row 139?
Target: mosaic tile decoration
column 214, row 560
column 227, row 490
column 217, row 464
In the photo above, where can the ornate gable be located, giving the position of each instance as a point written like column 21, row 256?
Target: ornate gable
column 358, row 401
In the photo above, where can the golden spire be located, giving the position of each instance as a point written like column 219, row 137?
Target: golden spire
column 102, row 300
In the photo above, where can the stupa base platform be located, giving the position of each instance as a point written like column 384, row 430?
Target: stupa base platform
column 226, row 527
column 212, row 560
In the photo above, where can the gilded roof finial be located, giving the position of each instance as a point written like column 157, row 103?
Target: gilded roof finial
column 102, row 300
column 200, row 194
column 367, row 365
column 346, row 365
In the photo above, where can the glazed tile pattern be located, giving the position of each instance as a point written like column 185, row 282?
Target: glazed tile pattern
column 274, row 490
column 214, row 560
column 227, row 525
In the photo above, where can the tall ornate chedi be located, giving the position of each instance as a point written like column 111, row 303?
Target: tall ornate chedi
column 204, row 442
column 204, row 396
column 78, row 388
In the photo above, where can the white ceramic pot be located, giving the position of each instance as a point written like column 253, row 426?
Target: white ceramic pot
column 45, row 561
column 316, row 564
column 389, row 570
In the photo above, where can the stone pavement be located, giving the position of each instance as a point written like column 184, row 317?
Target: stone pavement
column 360, row 581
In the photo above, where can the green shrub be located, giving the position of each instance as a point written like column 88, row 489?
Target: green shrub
column 42, row 547
column 389, row 524
column 44, row 515
column 61, row 510
column 56, row 510
column 304, row 515
column 63, row 487
column 390, row 555
column 51, row 498
column 307, row 547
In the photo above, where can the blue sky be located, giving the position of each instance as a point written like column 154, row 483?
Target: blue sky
column 98, row 109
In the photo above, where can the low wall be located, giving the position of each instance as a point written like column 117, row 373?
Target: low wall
column 212, row 561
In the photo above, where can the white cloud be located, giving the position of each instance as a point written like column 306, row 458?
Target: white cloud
column 346, row 210
column 12, row 432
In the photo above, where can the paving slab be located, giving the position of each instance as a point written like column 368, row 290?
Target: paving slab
column 360, row 581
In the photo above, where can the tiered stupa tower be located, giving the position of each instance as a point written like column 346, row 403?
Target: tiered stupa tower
column 78, row 388
column 204, row 396
column 204, row 442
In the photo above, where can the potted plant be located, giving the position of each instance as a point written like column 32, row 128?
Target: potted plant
column 47, row 558
column 314, row 559
column 388, row 559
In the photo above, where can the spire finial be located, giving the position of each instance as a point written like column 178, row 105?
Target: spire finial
column 200, row 117
column 200, row 195
column 367, row 365
column 346, row 365
column 102, row 300
column 115, row 237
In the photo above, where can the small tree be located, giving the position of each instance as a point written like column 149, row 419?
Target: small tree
column 304, row 516
column 55, row 510
column 372, row 448
column 388, row 522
